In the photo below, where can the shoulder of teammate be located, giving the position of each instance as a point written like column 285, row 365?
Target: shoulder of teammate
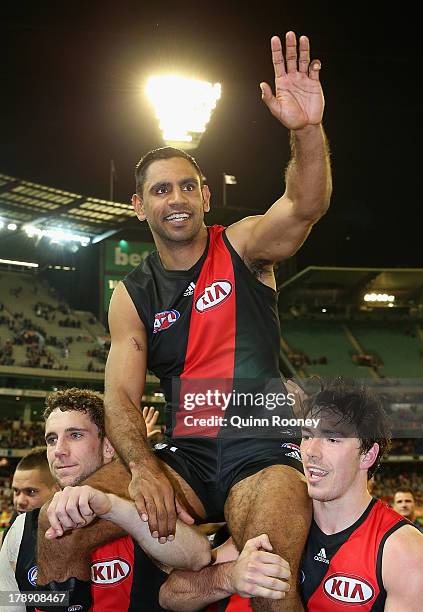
column 12, row 541
column 403, row 549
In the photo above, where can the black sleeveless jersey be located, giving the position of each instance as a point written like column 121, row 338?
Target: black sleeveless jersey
column 26, row 566
column 343, row 571
column 213, row 328
column 123, row 577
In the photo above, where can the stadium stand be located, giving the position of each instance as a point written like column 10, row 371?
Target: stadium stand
column 38, row 329
column 358, row 323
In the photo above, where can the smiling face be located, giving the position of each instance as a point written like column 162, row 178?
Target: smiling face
column 333, row 461
column 173, row 201
column 74, row 448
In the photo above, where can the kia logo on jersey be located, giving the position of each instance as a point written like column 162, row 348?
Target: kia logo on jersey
column 348, row 589
column 163, row 320
column 213, row 295
column 111, row 571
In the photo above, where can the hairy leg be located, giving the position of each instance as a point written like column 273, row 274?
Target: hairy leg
column 69, row 556
column 273, row 501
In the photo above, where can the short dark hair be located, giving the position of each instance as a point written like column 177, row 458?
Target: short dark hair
column 158, row 154
column 357, row 406
column 404, row 490
column 81, row 400
column 36, row 459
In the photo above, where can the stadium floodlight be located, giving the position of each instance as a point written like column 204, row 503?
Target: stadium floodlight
column 379, row 297
column 12, row 262
column 56, row 235
column 183, row 107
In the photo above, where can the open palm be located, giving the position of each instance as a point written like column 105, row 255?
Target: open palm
column 298, row 99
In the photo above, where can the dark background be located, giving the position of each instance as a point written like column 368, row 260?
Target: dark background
column 72, row 78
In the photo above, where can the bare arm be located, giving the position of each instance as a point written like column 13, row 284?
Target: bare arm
column 124, row 380
column 298, row 105
column 256, row 573
column 124, row 384
column 78, row 506
column 404, row 588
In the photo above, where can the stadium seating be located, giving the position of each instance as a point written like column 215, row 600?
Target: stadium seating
column 33, row 315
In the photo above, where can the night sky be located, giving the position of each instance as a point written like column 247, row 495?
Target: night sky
column 72, row 99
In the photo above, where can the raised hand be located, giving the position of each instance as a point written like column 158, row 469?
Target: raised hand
column 298, row 99
column 151, row 416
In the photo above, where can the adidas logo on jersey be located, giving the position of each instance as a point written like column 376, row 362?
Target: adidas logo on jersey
column 190, row 289
column 321, row 556
column 295, row 454
column 294, row 450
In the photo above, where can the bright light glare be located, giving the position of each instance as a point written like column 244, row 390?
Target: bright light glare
column 57, row 236
column 12, row 227
column 12, row 262
column 379, row 297
column 183, row 107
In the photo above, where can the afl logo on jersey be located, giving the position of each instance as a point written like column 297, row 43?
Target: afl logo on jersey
column 348, row 589
column 213, row 295
column 32, row 575
column 163, row 320
column 111, row 571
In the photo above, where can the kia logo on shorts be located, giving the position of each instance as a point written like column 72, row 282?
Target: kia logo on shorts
column 111, row 571
column 213, row 295
column 163, row 320
column 348, row 589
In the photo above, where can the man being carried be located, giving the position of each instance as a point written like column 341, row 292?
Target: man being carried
column 201, row 313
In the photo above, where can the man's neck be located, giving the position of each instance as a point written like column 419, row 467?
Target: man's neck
column 182, row 255
column 339, row 514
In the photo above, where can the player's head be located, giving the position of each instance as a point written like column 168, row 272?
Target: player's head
column 171, row 194
column 75, row 435
column 346, row 447
column 163, row 153
column 33, row 483
column 404, row 504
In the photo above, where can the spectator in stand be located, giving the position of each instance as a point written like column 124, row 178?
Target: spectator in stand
column 405, row 505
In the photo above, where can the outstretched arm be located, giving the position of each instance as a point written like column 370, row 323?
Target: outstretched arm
column 256, row 572
column 78, row 506
column 298, row 105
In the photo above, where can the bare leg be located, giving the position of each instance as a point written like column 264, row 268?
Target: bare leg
column 69, row 556
column 273, row 501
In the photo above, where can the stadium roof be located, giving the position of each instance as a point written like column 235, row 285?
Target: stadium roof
column 342, row 284
column 26, row 203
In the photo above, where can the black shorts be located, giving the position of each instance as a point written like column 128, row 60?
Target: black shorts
column 213, row 466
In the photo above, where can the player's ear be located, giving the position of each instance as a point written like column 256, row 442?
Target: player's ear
column 206, row 197
column 368, row 458
column 138, row 205
column 108, row 449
